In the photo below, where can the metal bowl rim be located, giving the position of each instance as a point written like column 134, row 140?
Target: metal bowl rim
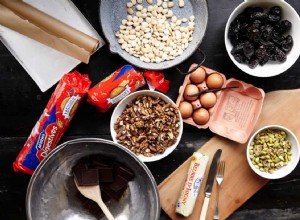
column 79, row 140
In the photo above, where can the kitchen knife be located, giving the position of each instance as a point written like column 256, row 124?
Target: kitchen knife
column 210, row 182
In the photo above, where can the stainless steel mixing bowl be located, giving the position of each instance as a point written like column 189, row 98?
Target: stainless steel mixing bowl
column 51, row 193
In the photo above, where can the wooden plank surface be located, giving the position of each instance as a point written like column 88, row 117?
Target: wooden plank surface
column 240, row 183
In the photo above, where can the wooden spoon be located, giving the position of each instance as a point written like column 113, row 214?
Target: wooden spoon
column 94, row 193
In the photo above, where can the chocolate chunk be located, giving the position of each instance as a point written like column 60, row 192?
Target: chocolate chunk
column 77, row 171
column 92, row 208
column 105, row 196
column 89, row 206
column 115, row 195
column 97, row 163
column 119, row 183
column 105, row 174
column 89, row 177
column 125, row 173
column 112, row 176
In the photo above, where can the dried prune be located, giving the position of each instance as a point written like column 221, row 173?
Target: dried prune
column 272, row 56
column 267, row 32
column 240, row 58
column 256, row 24
column 253, row 63
column 257, row 36
column 276, row 37
column 261, row 52
column 275, row 10
column 253, row 34
column 238, row 49
column 258, row 15
column 284, row 26
column 233, row 32
column 248, row 50
column 264, row 60
column 243, row 17
column 234, row 39
column 279, row 55
column 243, row 30
column 268, row 44
column 274, row 18
column 287, row 43
column 274, row 15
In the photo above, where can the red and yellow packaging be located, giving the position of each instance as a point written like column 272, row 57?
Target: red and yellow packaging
column 115, row 87
column 53, row 122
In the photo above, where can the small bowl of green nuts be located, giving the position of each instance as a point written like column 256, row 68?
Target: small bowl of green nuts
column 273, row 152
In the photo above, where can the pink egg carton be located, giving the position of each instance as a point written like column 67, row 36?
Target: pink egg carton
column 236, row 111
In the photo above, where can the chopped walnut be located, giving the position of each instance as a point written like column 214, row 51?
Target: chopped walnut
column 148, row 126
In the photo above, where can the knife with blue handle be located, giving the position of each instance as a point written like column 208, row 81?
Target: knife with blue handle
column 210, row 182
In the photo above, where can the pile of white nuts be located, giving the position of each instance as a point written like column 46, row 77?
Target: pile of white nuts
column 154, row 34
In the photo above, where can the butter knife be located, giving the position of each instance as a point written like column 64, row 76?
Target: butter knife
column 210, row 182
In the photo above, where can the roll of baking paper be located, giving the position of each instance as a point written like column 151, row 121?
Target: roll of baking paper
column 31, row 22
column 189, row 193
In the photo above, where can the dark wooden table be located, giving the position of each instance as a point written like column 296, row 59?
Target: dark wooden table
column 21, row 104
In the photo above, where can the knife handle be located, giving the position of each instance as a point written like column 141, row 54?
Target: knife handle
column 204, row 208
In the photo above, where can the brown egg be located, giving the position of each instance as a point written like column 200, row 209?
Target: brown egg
column 208, row 100
column 201, row 116
column 198, row 76
column 190, row 90
column 186, row 109
column 214, row 81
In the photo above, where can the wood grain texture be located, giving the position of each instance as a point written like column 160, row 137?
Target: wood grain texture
column 240, row 182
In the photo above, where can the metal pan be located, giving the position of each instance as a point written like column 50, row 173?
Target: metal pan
column 113, row 11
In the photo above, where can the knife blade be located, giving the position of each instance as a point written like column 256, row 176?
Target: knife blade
column 210, row 182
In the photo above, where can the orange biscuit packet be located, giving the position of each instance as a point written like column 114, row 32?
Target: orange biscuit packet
column 115, row 87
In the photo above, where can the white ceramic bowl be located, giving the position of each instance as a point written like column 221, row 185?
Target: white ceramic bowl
column 122, row 105
column 285, row 170
column 271, row 68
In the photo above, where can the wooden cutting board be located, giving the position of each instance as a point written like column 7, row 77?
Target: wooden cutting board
column 240, row 183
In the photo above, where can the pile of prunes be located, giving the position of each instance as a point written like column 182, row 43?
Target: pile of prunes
column 258, row 35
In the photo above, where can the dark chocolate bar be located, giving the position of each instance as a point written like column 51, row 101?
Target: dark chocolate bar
column 125, row 173
column 89, row 177
column 115, row 195
column 106, row 174
column 92, row 208
column 119, row 183
column 77, row 171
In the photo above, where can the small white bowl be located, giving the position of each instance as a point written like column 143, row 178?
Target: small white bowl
column 123, row 104
column 282, row 171
column 271, row 68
